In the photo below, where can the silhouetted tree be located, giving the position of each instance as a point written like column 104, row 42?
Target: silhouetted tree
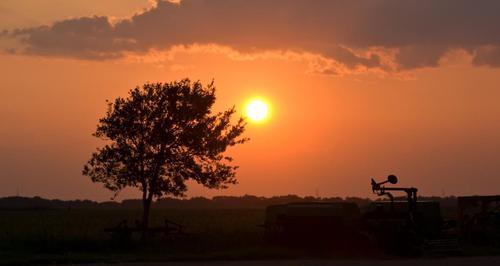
column 162, row 135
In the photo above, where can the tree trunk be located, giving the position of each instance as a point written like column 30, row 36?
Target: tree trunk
column 146, row 206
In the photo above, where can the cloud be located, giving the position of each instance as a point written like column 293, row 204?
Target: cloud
column 487, row 55
column 86, row 37
column 355, row 34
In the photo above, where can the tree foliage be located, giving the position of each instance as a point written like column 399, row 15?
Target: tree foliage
column 162, row 135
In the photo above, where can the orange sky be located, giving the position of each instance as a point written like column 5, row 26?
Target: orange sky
column 435, row 126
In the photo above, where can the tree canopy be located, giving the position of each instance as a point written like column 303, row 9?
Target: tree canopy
column 162, row 135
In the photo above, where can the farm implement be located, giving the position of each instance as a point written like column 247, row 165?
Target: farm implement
column 406, row 227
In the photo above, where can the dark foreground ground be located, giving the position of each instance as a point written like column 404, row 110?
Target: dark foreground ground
column 476, row 261
column 221, row 237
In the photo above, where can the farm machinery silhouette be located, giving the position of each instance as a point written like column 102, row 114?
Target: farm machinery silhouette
column 407, row 227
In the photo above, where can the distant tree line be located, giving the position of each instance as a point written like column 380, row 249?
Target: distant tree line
column 219, row 202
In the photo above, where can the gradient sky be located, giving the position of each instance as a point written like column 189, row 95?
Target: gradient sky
column 359, row 89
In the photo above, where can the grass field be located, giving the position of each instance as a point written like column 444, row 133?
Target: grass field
column 77, row 236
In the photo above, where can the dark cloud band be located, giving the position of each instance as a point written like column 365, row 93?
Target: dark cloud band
column 421, row 32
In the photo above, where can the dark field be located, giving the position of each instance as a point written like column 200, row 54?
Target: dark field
column 77, row 236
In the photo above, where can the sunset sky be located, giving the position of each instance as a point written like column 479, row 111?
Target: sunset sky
column 357, row 89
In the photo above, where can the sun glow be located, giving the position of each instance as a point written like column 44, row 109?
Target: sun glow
column 257, row 110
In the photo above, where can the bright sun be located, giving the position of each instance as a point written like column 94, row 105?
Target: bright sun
column 257, row 110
